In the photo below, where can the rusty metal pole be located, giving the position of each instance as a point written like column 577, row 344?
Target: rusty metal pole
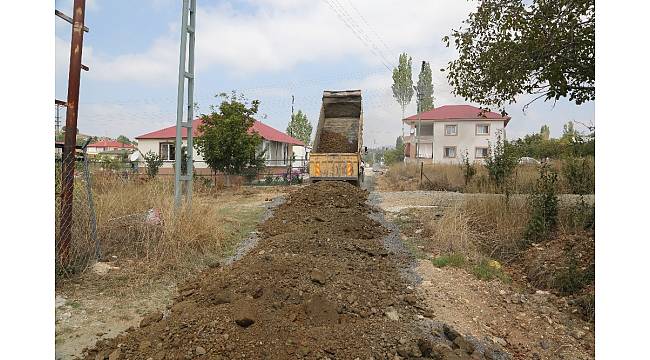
column 68, row 161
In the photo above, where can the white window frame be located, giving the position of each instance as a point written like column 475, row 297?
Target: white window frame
column 444, row 152
column 481, row 148
column 480, row 133
column 168, row 152
column 455, row 126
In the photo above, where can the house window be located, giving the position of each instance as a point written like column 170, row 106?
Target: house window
column 481, row 152
column 425, row 151
column 450, row 151
column 167, row 151
column 451, row 130
column 426, row 130
column 482, row 129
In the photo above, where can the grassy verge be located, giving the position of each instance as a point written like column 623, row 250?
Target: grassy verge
column 449, row 177
column 183, row 241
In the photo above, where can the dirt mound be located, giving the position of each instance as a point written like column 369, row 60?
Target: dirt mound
column 565, row 266
column 331, row 142
column 318, row 285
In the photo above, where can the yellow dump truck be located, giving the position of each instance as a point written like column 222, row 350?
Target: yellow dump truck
column 338, row 143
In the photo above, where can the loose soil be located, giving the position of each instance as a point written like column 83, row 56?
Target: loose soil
column 331, row 142
column 320, row 284
column 94, row 306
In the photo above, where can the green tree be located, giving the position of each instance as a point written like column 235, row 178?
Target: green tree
column 425, row 86
column 123, row 139
column 545, row 132
column 392, row 156
column 569, row 132
column 399, row 143
column 403, row 83
column 225, row 143
column 300, row 128
column 512, row 47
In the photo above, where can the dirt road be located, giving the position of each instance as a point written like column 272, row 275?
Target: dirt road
column 326, row 281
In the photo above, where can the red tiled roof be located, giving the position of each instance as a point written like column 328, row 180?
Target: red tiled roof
column 111, row 144
column 265, row 131
column 458, row 112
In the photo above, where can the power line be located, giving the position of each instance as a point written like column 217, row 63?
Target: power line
column 368, row 41
column 343, row 16
column 372, row 29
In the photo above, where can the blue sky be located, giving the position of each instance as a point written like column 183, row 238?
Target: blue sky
column 269, row 50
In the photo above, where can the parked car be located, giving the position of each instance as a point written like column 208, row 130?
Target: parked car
column 528, row 161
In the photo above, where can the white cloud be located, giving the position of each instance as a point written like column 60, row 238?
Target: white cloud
column 280, row 34
column 130, row 119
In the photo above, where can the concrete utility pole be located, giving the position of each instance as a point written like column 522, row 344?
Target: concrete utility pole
column 69, row 147
column 187, row 31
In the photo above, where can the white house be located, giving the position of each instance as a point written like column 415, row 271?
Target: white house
column 279, row 147
column 108, row 146
column 447, row 132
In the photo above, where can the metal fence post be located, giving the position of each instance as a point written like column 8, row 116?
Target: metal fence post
column 91, row 205
column 68, row 157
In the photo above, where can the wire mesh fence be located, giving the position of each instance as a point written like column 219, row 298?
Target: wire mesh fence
column 85, row 234
column 272, row 173
column 76, row 243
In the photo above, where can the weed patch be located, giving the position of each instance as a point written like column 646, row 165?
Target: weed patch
column 572, row 278
column 488, row 270
column 543, row 206
column 455, row 260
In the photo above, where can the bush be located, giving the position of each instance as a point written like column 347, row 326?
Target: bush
column 500, row 164
column 455, row 260
column 579, row 175
column 543, row 205
column 154, row 162
column 579, row 217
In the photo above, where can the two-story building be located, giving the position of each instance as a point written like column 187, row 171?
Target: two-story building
column 444, row 134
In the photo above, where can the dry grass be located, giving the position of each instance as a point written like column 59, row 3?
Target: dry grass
column 447, row 177
column 452, row 232
column 194, row 237
column 480, row 226
column 490, row 225
column 484, row 227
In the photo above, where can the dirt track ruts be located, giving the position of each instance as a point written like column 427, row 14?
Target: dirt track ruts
column 319, row 284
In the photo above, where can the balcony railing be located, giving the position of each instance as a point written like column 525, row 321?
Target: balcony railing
column 413, row 138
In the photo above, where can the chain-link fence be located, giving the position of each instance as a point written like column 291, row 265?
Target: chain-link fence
column 76, row 242
column 272, row 173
